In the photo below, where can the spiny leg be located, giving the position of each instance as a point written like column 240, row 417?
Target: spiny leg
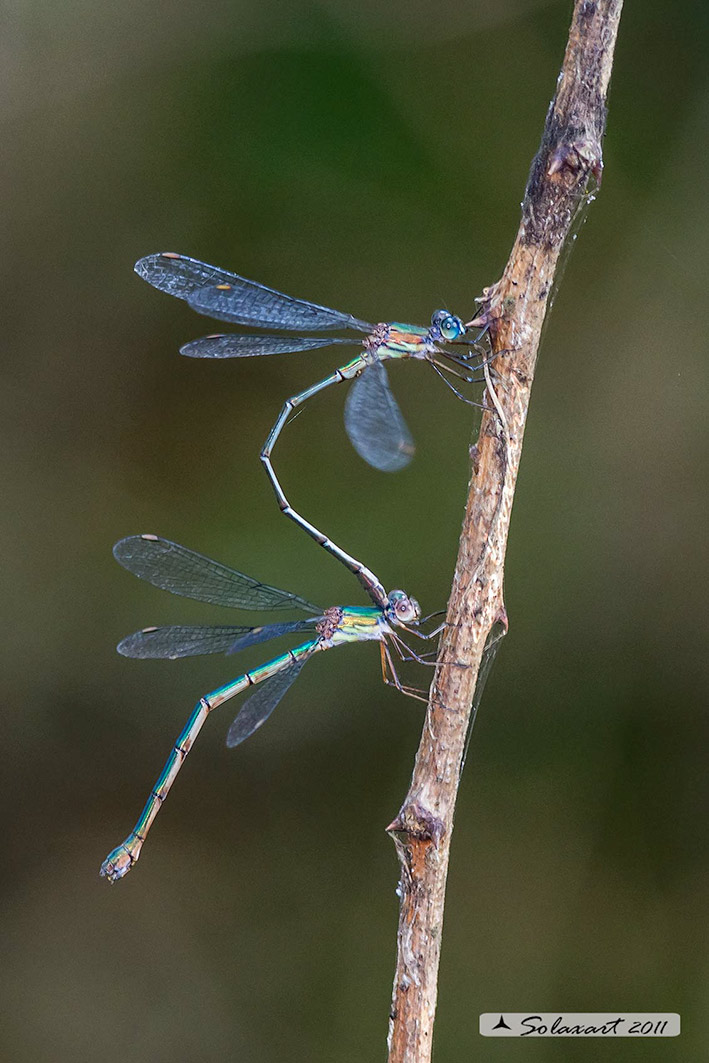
column 405, row 653
column 421, row 658
column 398, row 649
column 409, row 655
column 467, row 377
column 437, row 368
column 382, row 651
column 369, row 581
column 463, row 362
column 411, row 630
column 411, row 692
column 386, row 659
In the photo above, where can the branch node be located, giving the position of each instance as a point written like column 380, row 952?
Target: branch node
column 575, row 161
column 417, row 823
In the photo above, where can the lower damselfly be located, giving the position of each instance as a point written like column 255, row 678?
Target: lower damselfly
column 181, row 571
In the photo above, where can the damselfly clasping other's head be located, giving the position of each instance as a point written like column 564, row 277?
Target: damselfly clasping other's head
column 373, row 420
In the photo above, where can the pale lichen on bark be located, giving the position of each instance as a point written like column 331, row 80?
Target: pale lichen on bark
column 514, row 308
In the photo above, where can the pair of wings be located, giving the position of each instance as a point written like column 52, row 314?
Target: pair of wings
column 174, row 568
column 373, row 420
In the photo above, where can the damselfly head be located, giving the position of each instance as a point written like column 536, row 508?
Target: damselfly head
column 449, row 326
column 401, row 608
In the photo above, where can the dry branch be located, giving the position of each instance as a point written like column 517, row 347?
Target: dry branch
column 515, row 308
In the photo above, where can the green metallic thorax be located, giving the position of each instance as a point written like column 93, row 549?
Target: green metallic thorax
column 404, row 341
column 386, row 342
column 409, row 337
column 360, row 623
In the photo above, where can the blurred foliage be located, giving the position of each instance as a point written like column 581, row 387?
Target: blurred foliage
column 371, row 157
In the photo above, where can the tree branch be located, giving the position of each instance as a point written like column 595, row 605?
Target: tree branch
column 569, row 156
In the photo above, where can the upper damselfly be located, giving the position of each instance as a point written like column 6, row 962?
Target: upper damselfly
column 373, row 419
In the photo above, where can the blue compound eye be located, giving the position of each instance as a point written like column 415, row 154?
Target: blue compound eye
column 449, row 326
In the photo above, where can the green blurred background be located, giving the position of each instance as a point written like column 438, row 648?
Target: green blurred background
column 371, row 157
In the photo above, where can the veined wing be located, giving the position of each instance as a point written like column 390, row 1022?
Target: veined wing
column 177, row 640
column 229, row 297
column 240, row 346
column 179, row 275
column 174, row 568
column 492, row 644
column 374, row 422
column 180, row 641
column 256, row 710
column 252, row 636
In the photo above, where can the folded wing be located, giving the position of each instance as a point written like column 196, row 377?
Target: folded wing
column 374, row 422
column 261, row 704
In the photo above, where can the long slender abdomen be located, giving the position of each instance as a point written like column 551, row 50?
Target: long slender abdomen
column 119, row 862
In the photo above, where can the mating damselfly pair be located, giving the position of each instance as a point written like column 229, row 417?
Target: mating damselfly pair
column 378, row 432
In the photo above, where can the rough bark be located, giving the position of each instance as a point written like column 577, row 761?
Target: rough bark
column 569, row 157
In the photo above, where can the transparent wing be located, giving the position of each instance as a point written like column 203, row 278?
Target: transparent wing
column 374, row 422
column 236, row 346
column 190, row 641
column 229, row 297
column 179, row 275
column 179, row 641
column 253, row 636
column 492, row 644
column 260, row 705
column 174, row 568
column 245, row 302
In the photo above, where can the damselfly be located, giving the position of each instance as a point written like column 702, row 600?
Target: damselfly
column 181, row 571
column 373, row 419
